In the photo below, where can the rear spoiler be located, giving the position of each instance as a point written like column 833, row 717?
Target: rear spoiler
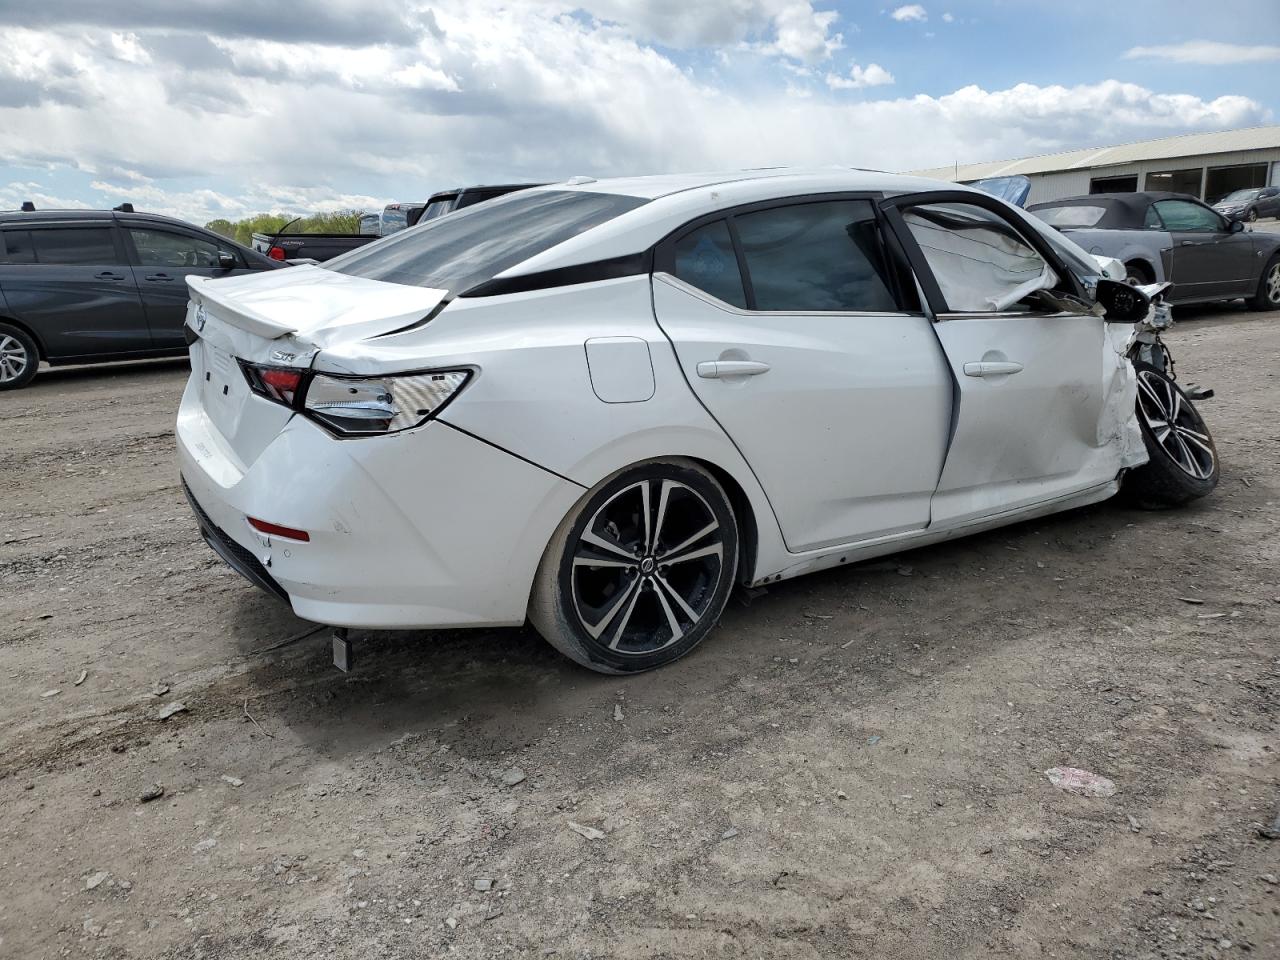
column 236, row 314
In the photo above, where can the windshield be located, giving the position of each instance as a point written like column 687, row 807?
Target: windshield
column 472, row 246
column 1241, row 195
column 437, row 208
column 1075, row 216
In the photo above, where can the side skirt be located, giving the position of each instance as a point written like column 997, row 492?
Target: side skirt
column 828, row 557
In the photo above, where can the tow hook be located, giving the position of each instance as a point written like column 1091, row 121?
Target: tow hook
column 1198, row 393
column 343, row 657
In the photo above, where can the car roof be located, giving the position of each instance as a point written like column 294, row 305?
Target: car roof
column 675, row 199
column 12, row 217
column 1138, row 198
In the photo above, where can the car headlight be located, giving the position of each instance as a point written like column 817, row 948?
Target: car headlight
column 374, row 406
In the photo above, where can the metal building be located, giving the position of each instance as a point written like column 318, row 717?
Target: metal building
column 1205, row 165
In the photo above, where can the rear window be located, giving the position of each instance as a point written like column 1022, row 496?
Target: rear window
column 1073, row 216
column 472, row 246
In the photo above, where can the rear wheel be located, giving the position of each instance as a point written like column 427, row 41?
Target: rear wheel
column 19, row 357
column 640, row 571
column 1183, row 461
column 1268, row 295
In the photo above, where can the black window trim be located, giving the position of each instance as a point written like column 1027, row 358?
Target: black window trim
column 920, row 264
column 894, row 260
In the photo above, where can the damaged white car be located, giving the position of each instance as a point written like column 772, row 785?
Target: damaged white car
column 599, row 405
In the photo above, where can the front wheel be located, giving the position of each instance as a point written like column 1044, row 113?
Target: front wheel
column 1183, row 461
column 639, row 572
column 1253, row 215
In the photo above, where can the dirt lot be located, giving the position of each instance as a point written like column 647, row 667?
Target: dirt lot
column 851, row 767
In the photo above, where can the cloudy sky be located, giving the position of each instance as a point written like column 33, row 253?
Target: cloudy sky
column 208, row 108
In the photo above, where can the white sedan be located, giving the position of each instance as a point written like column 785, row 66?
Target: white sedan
column 599, row 405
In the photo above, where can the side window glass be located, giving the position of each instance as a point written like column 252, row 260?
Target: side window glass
column 705, row 259
column 159, row 248
column 17, row 247
column 823, row 256
column 75, row 246
column 1182, row 215
column 981, row 262
column 1152, row 220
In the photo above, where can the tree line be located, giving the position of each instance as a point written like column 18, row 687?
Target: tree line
column 242, row 231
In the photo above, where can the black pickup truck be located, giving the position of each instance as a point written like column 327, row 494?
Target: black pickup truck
column 308, row 246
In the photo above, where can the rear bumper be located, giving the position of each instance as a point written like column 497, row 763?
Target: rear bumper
column 429, row 528
column 236, row 557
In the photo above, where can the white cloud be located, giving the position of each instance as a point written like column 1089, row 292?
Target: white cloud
column 790, row 28
column 912, row 11
column 227, row 124
column 948, row 18
column 873, row 75
column 1206, row 52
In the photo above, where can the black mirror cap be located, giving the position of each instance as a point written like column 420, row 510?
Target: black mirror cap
column 226, row 261
column 1236, row 225
column 1124, row 303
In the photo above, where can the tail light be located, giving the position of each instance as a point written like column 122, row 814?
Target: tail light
column 275, row 253
column 358, row 406
column 275, row 383
column 369, row 406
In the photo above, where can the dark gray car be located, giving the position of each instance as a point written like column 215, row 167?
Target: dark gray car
column 1252, row 204
column 1170, row 236
column 81, row 286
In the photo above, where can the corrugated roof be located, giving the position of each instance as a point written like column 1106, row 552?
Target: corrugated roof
column 1191, row 144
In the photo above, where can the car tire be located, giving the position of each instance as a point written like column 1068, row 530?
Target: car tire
column 1137, row 274
column 1253, row 215
column 19, row 357
column 629, row 611
column 1183, row 462
column 1268, row 294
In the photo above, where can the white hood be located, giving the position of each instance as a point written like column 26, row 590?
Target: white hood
column 312, row 305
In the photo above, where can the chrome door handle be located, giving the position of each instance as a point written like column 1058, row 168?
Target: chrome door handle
column 991, row 368
column 718, row 369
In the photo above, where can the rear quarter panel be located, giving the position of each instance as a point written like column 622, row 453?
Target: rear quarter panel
column 1149, row 246
column 532, row 394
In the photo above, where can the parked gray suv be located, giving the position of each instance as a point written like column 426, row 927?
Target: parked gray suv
column 82, row 286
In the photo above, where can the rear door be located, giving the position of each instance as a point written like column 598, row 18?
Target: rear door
column 1032, row 379
column 792, row 329
column 163, row 257
column 1208, row 259
column 70, row 282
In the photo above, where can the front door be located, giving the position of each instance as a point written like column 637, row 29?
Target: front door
column 1033, row 381
column 794, row 333
column 71, row 284
column 163, row 259
column 1208, row 259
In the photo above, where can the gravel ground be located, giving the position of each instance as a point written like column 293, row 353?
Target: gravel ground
column 852, row 766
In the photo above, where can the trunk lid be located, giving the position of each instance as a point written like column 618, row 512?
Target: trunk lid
column 282, row 318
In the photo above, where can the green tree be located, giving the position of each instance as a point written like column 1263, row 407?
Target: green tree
column 330, row 221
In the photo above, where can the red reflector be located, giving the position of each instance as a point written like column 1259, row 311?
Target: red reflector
column 276, row 253
column 262, row 526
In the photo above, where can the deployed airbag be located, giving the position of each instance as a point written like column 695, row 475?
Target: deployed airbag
column 981, row 265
